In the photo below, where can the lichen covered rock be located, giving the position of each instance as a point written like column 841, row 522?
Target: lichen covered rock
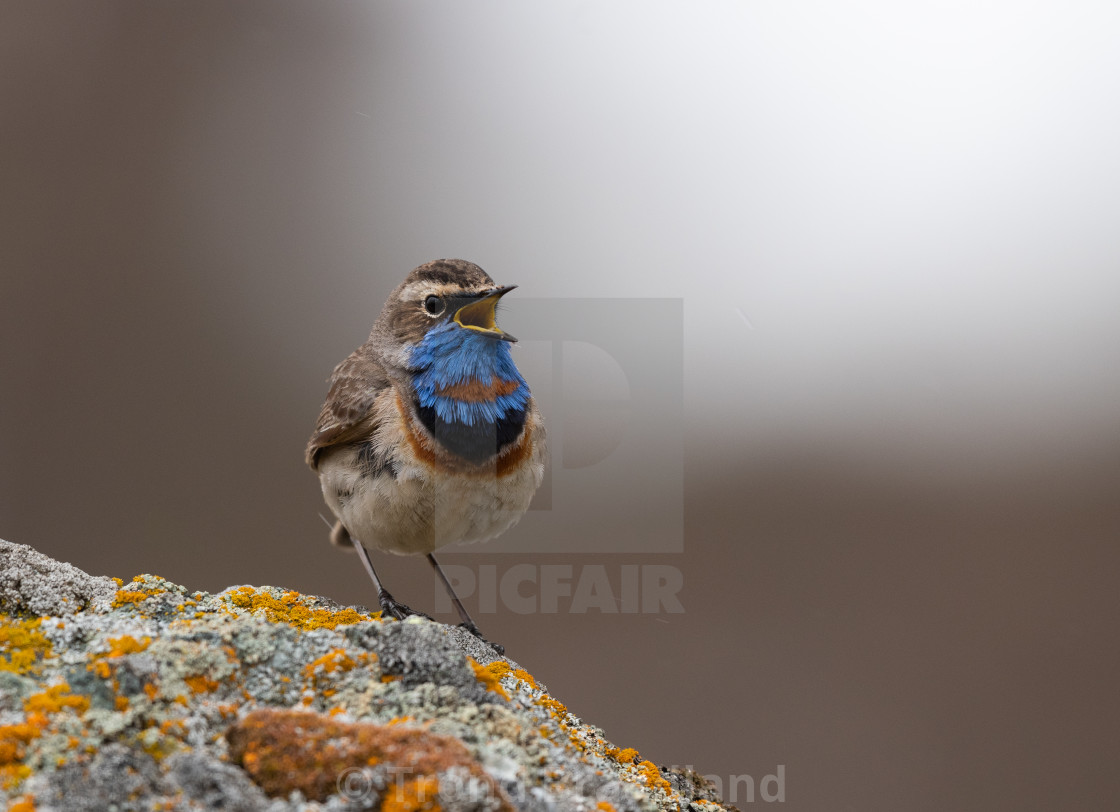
column 147, row 696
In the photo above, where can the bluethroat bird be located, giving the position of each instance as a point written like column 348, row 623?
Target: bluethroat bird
column 429, row 434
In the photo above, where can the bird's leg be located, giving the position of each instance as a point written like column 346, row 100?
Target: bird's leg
column 467, row 623
column 389, row 606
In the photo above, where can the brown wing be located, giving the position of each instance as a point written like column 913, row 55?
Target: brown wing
column 347, row 414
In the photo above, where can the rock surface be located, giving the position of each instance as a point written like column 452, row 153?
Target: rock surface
column 147, row 696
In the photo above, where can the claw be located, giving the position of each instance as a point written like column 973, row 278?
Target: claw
column 394, row 609
column 473, row 629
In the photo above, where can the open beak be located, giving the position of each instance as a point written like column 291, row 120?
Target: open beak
column 479, row 314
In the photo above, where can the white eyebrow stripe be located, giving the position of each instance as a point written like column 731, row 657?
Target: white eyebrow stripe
column 422, row 290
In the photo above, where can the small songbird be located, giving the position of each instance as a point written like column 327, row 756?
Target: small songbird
column 429, row 434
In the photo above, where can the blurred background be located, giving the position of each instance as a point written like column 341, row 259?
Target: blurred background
column 891, row 231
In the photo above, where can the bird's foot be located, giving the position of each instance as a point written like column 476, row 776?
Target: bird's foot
column 473, row 629
column 390, row 607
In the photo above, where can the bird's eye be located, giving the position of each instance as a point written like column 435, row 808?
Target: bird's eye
column 434, row 305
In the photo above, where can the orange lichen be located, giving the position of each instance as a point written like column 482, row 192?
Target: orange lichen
column 11, row 776
column 132, row 597
column 22, row 646
column 15, row 738
column 161, row 749
column 418, row 795
column 25, row 804
column 489, row 679
column 285, row 750
column 605, row 806
column 201, row 684
column 623, row 756
column 653, row 776
column 334, row 660
column 54, row 699
column 500, row 669
column 290, row 608
column 126, row 644
column 151, row 690
column 554, row 707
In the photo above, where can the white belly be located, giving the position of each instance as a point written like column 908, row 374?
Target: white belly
column 420, row 509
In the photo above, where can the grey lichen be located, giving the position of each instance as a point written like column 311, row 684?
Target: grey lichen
column 148, row 696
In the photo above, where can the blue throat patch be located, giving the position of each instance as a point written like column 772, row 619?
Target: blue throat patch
column 450, row 355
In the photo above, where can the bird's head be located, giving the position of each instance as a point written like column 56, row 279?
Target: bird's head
column 442, row 297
